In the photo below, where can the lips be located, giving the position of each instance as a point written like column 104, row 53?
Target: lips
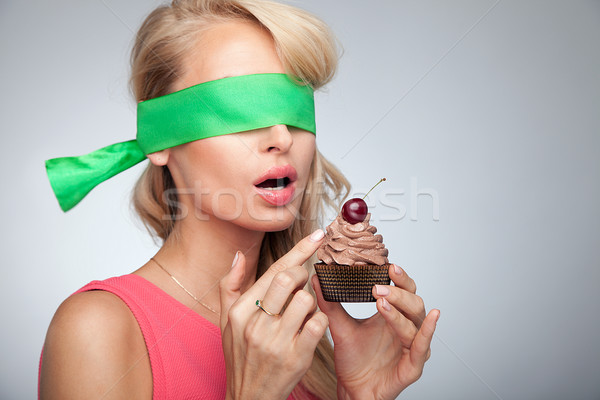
column 277, row 185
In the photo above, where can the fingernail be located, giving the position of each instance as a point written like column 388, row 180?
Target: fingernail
column 397, row 270
column 382, row 290
column 438, row 317
column 235, row 259
column 317, row 235
column 386, row 305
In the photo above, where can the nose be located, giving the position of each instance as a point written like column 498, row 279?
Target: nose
column 278, row 139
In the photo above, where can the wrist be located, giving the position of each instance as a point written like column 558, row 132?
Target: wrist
column 362, row 394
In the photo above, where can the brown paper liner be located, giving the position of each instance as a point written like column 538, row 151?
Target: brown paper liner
column 351, row 284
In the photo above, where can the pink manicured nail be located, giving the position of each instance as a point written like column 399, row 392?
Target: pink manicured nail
column 317, row 235
column 397, row 270
column 382, row 290
column 235, row 259
column 386, row 305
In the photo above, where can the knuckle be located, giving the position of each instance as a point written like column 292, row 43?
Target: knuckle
column 284, row 279
column 413, row 286
column 414, row 374
column 295, row 365
column 325, row 320
column 249, row 333
column 279, row 266
column 234, row 313
column 417, row 375
column 420, row 304
column 273, row 350
column 252, row 336
column 313, row 328
column 304, row 298
column 316, row 326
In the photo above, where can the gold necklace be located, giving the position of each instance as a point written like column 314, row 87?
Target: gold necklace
column 187, row 291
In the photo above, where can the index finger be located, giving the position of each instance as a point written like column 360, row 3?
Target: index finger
column 298, row 255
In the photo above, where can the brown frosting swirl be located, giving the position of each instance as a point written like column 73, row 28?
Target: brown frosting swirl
column 352, row 244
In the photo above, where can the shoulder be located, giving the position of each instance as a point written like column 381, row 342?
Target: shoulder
column 91, row 346
column 96, row 314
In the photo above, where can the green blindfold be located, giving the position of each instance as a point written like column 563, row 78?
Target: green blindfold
column 214, row 108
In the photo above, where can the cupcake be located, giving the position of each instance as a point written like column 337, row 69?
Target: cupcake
column 353, row 259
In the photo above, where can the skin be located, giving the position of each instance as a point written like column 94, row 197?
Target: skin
column 379, row 357
column 86, row 357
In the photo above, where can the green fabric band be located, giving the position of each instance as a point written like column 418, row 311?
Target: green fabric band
column 219, row 107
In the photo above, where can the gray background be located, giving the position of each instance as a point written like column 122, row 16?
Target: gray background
column 493, row 106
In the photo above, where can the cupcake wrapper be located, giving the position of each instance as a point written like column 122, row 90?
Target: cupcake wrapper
column 351, row 284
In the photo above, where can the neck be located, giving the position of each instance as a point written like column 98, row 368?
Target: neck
column 201, row 254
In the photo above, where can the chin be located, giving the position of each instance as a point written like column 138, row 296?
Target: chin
column 278, row 220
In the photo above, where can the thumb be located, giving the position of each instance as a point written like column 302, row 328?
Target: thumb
column 230, row 286
column 341, row 324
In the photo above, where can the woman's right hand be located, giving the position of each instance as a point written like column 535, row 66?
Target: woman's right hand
column 266, row 356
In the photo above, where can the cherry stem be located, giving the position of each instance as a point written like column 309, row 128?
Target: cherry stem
column 381, row 180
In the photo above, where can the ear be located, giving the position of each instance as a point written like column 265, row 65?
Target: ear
column 159, row 158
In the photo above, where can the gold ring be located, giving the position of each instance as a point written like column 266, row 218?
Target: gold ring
column 259, row 305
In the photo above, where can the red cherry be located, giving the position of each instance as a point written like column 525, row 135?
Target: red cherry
column 355, row 210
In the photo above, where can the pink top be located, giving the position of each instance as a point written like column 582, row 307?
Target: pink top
column 185, row 350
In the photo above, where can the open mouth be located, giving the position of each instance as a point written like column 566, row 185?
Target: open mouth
column 274, row 184
column 277, row 185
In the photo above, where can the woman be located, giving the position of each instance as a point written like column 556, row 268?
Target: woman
column 237, row 212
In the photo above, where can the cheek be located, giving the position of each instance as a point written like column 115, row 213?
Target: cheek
column 304, row 154
column 225, row 203
column 303, row 157
column 215, row 170
column 218, row 161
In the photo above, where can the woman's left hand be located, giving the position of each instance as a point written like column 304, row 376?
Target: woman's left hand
column 378, row 357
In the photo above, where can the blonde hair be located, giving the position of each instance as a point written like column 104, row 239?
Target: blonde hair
column 308, row 50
